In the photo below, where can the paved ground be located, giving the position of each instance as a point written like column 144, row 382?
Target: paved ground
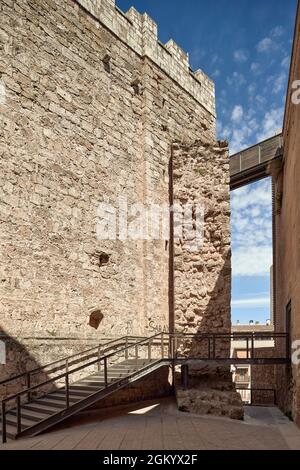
column 160, row 426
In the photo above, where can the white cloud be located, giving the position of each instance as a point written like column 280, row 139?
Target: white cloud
column 255, row 68
column 251, row 302
column 285, row 63
column 271, row 123
column 258, row 196
column 253, row 261
column 277, row 32
column 216, row 60
column 216, row 73
column 260, row 100
column 279, row 83
column 242, row 130
column 252, row 229
column 237, row 79
column 237, row 113
column 252, row 89
column 266, row 45
column 240, row 55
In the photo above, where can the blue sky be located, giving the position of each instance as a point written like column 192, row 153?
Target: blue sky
column 245, row 47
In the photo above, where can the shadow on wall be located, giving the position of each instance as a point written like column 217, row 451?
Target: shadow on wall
column 16, row 360
column 215, row 317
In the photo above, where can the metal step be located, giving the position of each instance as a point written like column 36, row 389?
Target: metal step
column 74, row 394
column 25, row 422
column 41, row 409
column 11, row 431
column 52, row 403
column 92, row 383
column 60, row 396
column 85, row 387
column 31, row 414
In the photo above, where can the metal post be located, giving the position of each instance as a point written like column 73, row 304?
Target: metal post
column 287, row 346
column 3, row 423
column 184, row 376
column 126, row 346
column 136, row 356
column 251, row 397
column 18, row 414
column 172, row 347
column 105, row 372
column 162, row 346
column 175, row 346
column 252, row 346
column 28, row 386
column 149, row 350
column 67, row 390
column 99, row 355
column 247, row 347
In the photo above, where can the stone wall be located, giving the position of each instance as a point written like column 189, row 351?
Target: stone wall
column 90, row 103
column 202, row 276
column 287, row 271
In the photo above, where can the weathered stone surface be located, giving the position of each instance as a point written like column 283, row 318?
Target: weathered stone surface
column 202, row 277
column 210, row 391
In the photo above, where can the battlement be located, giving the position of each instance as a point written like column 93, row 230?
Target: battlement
column 139, row 31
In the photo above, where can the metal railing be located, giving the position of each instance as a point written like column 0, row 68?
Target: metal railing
column 101, row 360
column 211, row 346
column 68, row 360
column 181, row 348
column 256, row 155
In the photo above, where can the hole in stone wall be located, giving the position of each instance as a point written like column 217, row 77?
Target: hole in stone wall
column 103, row 259
column 99, row 258
column 95, row 319
column 136, row 85
column 107, row 63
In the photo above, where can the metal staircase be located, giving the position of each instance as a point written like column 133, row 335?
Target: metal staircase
column 56, row 391
column 116, row 365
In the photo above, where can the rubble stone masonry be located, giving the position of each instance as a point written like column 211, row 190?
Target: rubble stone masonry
column 202, row 276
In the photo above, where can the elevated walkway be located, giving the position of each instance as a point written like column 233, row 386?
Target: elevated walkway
column 251, row 164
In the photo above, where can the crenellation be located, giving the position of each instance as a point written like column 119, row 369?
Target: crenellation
column 178, row 53
column 142, row 36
